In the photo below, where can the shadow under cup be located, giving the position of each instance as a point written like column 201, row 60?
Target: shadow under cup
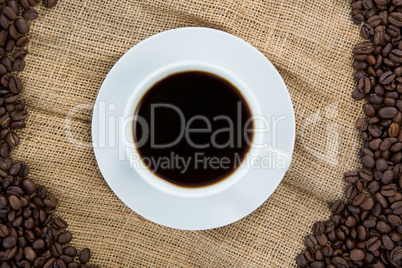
column 192, row 129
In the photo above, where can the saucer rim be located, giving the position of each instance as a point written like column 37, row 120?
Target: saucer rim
column 128, row 200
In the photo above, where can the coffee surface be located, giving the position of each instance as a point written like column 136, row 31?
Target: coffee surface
column 198, row 129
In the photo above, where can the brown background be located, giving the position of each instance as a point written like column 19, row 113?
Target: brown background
column 75, row 45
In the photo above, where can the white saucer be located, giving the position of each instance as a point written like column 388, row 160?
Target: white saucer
column 192, row 44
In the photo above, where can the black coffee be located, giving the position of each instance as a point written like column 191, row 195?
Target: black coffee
column 199, row 129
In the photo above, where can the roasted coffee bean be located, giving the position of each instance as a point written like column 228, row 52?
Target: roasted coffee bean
column 49, row 263
column 66, row 237
column 383, row 227
column 310, row 241
column 369, row 110
column 387, row 112
column 368, row 161
column 4, row 23
column 29, row 186
column 21, row 42
column 20, row 54
column 56, row 249
column 30, row 14
column 74, row 265
column 375, row 131
column 70, row 251
column 359, row 199
column 9, row 13
column 367, row 204
column 50, row 3
column 3, row 37
column 394, row 220
column 29, row 254
column 382, row 200
column 396, row 55
column 357, row 255
column 85, row 255
column 12, row 139
column 361, row 124
column 338, row 207
column 389, row 190
column 19, row 64
column 22, row 26
column 395, row 18
column 24, row 4
column 367, row 31
column 339, row 262
column 364, row 48
column 387, row 78
column 9, row 242
column 351, row 192
column 373, row 243
column 15, row 202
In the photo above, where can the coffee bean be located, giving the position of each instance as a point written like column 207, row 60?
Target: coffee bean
column 387, row 242
column 12, row 139
column 24, row 4
column 9, row 242
column 21, row 42
column 357, row 255
column 359, row 199
column 373, row 186
column 395, row 18
column 19, row 65
column 15, row 202
column 66, row 259
column 59, row 264
column 396, row 55
column 387, row 112
column 322, row 239
column 30, row 14
column 70, row 251
column 383, row 227
column 50, row 202
column 382, row 200
column 339, row 262
column 50, row 3
column 74, row 265
column 301, row 260
column 22, row 26
column 367, row 204
column 56, row 249
column 9, row 13
column 315, row 264
column 310, row 241
column 351, row 192
column 3, row 37
column 364, row 48
column 373, row 244
column 337, row 207
column 350, row 221
column 85, row 255
column 66, row 237
column 367, row 31
column 20, row 54
column 49, row 263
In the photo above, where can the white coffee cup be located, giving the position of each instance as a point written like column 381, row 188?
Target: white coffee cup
column 130, row 145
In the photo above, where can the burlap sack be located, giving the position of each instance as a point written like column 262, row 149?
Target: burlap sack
column 74, row 46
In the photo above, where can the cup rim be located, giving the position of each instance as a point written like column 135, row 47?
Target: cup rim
column 131, row 148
